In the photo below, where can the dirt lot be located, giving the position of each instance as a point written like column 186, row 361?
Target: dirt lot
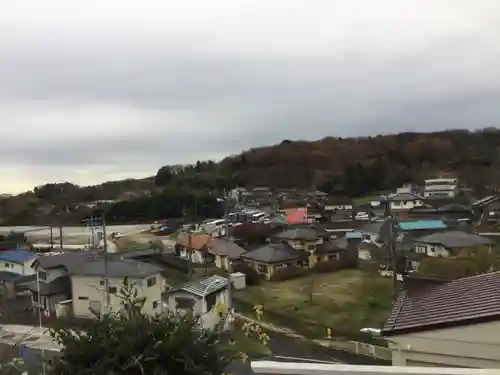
column 346, row 300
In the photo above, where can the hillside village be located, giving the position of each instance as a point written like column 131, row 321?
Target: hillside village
column 320, row 266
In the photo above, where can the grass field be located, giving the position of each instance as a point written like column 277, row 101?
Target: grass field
column 345, row 301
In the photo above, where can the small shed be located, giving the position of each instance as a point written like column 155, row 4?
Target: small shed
column 238, row 280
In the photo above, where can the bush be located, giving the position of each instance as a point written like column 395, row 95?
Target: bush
column 288, row 273
column 171, row 261
column 131, row 342
column 334, row 265
column 252, row 277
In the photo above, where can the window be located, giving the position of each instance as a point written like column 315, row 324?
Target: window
column 151, row 281
column 112, row 289
column 101, row 282
column 35, row 296
column 211, row 300
column 155, row 304
column 262, row 268
column 42, row 275
column 83, row 298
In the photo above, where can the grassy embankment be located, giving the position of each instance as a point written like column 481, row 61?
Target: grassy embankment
column 344, row 301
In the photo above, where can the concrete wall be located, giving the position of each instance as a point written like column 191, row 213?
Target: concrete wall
column 89, row 291
column 475, row 346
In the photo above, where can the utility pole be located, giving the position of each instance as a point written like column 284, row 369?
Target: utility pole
column 105, row 248
column 61, row 237
column 226, row 235
column 51, row 238
column 392, row 251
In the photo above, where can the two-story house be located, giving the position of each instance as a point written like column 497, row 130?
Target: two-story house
column 404, row 201
column 88, row 286
column 209, row 298
column 18, row 261
column 194, row 246
column 53, row 284
column 306, row 240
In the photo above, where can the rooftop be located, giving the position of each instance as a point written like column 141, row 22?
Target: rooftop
column 454, row 239
column 206, row 286
column 308, row 234
column 273, row 253
column 458, row 302
column 115, row 268
column 422, row 224
column 18, row 256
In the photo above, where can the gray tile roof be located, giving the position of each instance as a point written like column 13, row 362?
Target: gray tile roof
column 454, row 239
column 206, row 286
column 308, row 234
column 116, row 268
column 373, row 228
column 273, row 253
column 64, row 260
column 225, row 248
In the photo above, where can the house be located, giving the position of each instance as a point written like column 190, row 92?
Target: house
column 302, row 238
column 440, row 188
column 404, row 201
column 194, row 246
column 53, row 284
column 369, row 233
column 226, row 252
column 209, row 298
column 487, row 208
column 451, row 324
column 88, row 285
column 268, row 259
column 309, row 241
column 447, row 243
column 18, row 261
column 338, row 204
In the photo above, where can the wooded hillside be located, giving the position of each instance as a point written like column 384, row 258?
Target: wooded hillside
column 356, row 166
column 346, row 167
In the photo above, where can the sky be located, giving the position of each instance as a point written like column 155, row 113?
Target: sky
column 92, row 90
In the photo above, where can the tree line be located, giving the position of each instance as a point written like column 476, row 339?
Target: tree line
column 347, row 167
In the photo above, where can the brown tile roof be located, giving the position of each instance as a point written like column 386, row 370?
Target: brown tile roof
column 196, row 241
column 457, row 302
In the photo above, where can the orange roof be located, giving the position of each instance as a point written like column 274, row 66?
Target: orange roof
column 196, row 241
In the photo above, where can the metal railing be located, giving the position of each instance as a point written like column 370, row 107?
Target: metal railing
column 294, row 368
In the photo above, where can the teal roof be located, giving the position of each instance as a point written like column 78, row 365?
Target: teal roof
column 422, row 224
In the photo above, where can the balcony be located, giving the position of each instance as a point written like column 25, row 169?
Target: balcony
column 293, row 368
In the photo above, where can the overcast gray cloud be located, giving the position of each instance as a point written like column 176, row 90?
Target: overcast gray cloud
column 101, row 90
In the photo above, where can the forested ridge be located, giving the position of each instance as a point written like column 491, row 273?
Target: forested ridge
column 339, row 166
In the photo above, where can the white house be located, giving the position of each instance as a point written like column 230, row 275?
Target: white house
column 405, row 201
column 18, row 262
column 449, row 324
column 88, row 286
column 209, row 298
column 441, row 188
column 447, row 243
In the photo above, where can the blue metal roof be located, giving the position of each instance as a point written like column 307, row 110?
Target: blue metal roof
column 17, row 256
column 422, row 224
